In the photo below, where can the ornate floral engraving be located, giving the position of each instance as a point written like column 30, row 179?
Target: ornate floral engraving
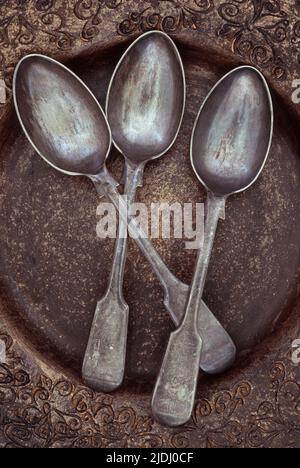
column 22, row 20
column 41, row 412
column 277, row 421
column 37, row 411
column 222, row 410
column 27, row 23
column 274, row 422
column 168, row 15
column 256, row 28
column 90, row 12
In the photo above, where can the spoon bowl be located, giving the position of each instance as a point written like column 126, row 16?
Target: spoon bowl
column 63, row 120
column 146, row 98
column 233, row 132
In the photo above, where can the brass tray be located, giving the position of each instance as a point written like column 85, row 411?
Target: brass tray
column 53, row 268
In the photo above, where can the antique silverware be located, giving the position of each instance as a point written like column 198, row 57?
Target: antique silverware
column 66, row 126
column 230, row 143
column 144, row 107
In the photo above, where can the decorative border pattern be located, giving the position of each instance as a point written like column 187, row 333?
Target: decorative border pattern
column 37, row 411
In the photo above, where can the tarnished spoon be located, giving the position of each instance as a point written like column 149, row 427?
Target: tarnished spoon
column 66, row 126
column 144, row 107
column 230, row 143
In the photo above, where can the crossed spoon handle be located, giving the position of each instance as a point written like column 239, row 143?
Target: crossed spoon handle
column 219, row 351
column 104, row 360
column 175, row 390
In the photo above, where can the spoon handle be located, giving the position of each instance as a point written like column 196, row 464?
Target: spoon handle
column 175, row 389
column 104, row 361
column 106, row 185
column 219, row 351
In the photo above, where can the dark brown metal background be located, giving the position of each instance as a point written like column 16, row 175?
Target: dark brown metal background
column 258, row 403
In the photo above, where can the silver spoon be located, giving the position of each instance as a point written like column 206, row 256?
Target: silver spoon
column 230, row 143
column 66, row 126
column 144, row 107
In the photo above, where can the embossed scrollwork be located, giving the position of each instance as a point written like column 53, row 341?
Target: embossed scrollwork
column 18, row 26
column 175, row 15
column 255, row 31
column 90, row 12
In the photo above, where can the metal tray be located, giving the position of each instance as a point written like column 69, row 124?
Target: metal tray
column 53, row 267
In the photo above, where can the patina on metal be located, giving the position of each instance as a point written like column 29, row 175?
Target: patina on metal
column 230, row 143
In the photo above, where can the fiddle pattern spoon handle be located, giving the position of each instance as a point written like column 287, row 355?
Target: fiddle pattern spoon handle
column 104, row 361
column 175, row 389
